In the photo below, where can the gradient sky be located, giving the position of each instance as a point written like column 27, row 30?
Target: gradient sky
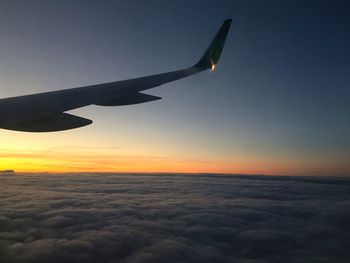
column 277, row 104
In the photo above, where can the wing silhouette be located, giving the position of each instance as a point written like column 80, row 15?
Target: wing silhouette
column 45, row 112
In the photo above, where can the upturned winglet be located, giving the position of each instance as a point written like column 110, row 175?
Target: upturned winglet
column 212, row 55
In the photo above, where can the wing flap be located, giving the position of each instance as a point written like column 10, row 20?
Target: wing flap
column 129, row 100
column 58, row 122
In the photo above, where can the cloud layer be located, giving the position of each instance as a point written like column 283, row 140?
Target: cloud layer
column 173, row 218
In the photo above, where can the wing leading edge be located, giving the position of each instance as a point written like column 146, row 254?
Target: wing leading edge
column 45, row 112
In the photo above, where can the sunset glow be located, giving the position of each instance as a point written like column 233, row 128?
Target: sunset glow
column 36, row 157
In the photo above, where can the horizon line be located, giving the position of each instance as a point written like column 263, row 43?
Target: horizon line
column 186, row 173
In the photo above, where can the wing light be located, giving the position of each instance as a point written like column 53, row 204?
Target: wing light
column 213, row 66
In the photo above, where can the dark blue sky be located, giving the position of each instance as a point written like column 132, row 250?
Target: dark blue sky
column 280, row 94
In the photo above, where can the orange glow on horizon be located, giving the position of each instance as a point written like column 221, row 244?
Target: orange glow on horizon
column 60, row 162
column 74, row 152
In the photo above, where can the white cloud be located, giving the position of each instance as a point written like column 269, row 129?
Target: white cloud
column 173, row 218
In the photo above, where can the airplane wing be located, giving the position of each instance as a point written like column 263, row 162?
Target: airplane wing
column 45, row 112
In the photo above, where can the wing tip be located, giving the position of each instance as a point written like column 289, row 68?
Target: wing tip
column 212, row 55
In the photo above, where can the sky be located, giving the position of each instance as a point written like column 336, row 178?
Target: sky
column 277, row 104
